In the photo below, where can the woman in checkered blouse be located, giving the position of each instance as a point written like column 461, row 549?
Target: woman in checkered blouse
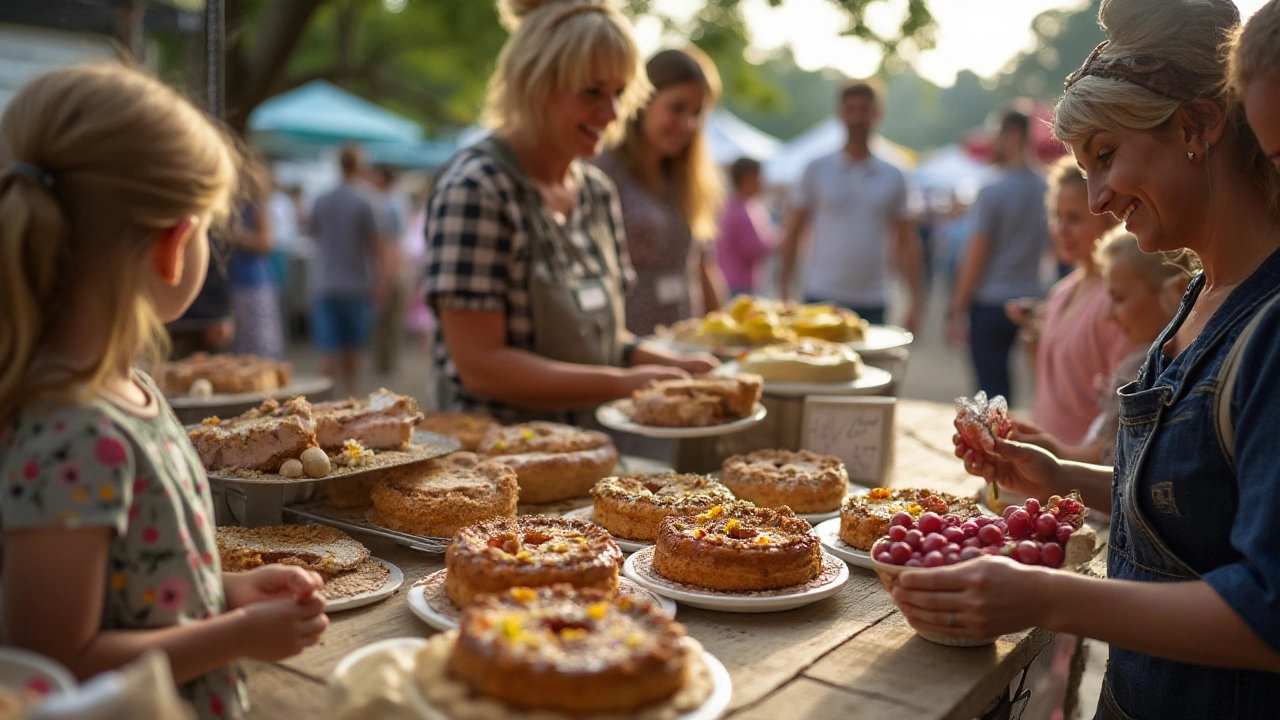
column 522, row 207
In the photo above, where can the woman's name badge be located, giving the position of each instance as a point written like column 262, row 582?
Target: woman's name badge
column 672, row 288
column 591, row 296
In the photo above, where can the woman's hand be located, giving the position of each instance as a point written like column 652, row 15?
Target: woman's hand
column 636, row 377
column 980, row 598
column 697, row 363
column 270, row 582
column 273, row 630
column 1030, row 433
column 1020, row 467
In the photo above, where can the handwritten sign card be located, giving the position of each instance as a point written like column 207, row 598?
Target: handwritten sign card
column 858, row 430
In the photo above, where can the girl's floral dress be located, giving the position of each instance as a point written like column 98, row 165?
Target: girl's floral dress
column 71, row 466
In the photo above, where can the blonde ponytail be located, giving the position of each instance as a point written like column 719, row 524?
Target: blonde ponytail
column 125, row 157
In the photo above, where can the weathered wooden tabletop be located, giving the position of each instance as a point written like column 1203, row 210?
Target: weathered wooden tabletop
column 850, row 656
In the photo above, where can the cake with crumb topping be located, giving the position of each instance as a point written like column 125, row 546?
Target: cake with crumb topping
column 530, row 551
column 802, row 480
column 633, row 506
column 738, row 547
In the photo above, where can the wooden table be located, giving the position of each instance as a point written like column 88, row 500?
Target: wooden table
column 850, row 656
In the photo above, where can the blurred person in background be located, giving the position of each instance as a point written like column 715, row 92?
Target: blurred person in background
column 348, row 282
column 857, row 207
column 1002, row 259
column 255, row 303
column 747, row 235
column 671, row 192
column 389, row 211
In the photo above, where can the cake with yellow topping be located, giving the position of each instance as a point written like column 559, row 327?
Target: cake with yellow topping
column 570, row 650
column 633, row 506
column 552, row 461
column 530, row 551
column 865, row 518
column 738, row 547
column 827, row 322
column 802, row 480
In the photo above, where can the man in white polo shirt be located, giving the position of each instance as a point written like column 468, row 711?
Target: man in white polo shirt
column 856, row 204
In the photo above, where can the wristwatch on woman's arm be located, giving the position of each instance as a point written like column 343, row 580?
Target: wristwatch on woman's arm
column 629, row 350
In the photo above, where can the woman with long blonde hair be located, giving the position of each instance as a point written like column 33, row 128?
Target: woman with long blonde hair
column 527, row 265
column 671, row 193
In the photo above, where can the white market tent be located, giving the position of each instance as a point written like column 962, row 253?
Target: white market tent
column 729, row 137
column 824, row 138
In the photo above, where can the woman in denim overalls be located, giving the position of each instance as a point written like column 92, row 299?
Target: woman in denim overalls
column 1191, row 608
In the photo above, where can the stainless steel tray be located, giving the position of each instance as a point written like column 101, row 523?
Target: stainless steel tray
column 357, row 520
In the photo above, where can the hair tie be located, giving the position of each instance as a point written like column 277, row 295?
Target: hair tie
column 34, row 172
column 1155, row 74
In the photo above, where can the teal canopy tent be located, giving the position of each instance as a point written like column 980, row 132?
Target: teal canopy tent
column 319, row 112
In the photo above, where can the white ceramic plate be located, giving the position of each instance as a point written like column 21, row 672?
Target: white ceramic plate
column 639, row 567
column 350, row 603
column 616, row 415
column 428, row 601
column 26, row 672
column 712, row 709
column 349, row 660
column 880, row 338
column 829, row 534
column 588, row 513
column 870, row 381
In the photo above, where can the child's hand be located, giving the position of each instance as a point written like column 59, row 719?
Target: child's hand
column 273, row 630
column 270, row 582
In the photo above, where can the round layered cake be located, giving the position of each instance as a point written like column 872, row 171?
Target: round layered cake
column 552, row 461
column 438, row 496
column 529, row 551
column 802, row 480
column 865, row 519
column 633, row 506
column 738, row 547
column 808, row 360
column 569, row 650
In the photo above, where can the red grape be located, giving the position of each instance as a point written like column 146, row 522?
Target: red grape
column 1032, row 506
column 970, row 553
column 952, row 558
column 970, row 529
column 1052, row 554
column 913, row 562
column 882, row 545
column 1046, row 526
column 1010, row 510
column 991, row 550
column 951, row 548
column 990, row 535
column 1019, row 523
column 915, row 539
column 1028, row 552
column 886, row 558
column 956, row 535
column 930, row 522
column 1063, row 534
column 901, row 552
column 972, row 542
column 897, row 533
column 981, row 521
column 1004, row 528
column 934, row 559
column 904, row 519
column 951, row 520
column 933, row 542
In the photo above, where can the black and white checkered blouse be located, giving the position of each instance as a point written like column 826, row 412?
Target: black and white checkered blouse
column 478, row 253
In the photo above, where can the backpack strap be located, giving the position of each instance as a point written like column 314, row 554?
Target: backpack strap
column 1228, row 376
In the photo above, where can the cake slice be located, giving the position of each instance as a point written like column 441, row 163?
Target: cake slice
column 260, row 439
column 326, row 550
column 382, row 421
column 696, row 402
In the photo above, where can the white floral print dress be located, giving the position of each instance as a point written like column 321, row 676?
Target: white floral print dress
column 85, row 465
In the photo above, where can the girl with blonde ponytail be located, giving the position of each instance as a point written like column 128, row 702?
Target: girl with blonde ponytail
column 1191, row 604
column 109, row 182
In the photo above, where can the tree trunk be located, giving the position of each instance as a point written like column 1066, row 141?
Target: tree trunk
column 252, row 70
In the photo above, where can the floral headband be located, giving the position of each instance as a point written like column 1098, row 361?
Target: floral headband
column 1155, row 74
